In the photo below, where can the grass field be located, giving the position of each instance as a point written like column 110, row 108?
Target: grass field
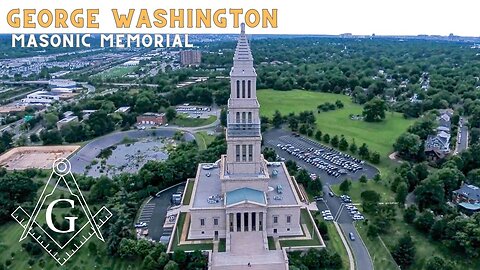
column 183, row 121
column 115, row 72
column 304, row 219
column 188, row 192
column 380, row 255
column 378, row 136
column 357, row 188
column 203, row 139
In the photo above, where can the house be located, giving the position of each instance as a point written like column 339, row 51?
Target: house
column 467, row 198
column 151, row 119
column 438, row 146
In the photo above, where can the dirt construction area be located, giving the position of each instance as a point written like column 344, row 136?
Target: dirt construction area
column 40, row 157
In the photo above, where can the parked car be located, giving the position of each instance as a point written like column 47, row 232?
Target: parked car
column 352, row 237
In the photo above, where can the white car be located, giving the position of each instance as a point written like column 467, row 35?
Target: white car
column 328, row 218
column 358, row 217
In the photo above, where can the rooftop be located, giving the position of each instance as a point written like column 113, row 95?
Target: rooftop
column 470, row 191
column 245, row 194
column 208, row 192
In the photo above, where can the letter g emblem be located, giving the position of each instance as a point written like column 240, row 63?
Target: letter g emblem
column 71, row 220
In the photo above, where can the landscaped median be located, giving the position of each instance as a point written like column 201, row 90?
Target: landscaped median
column 188, row 192
column 310, row 239
column 179, row 239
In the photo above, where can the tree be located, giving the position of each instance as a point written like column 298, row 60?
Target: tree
column 437, row 263
column 303, row 129
column 170, row 114
column 363, row 179
column 375, row 157
column 51, row 137
column 92, row 248
column 343, row 144
column 326, row 138
column 50, row 119
column 410, row 214
column 374, row 110
column 171, row 265
column 277, row 120
column 318, row 135
column 408, row 146
column 223, row 117
column 402, row 192
column 353, row 147
column 404, row 252
column 430, row 193
column 370, row 200
column 293, row 123
column 34, row 138
column 425, row 221
column 179, row 256
column 363, row 151
column 377, row 178
column 334, row 141
column 339, row 104
column 345, row 186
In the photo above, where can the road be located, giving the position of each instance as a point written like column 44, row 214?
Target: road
column 158, row 211
column 83, row 157
column 342, row 217
column 361, row 256
column 463, row 134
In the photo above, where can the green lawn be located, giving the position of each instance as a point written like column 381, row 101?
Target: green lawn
column 203, row 139
column 380, row 255
column 335, row 243
column 183, row 121
column 222, row 245
column 304, row 219
column 357, row 188
column 378, row 136
column 188, row 192
column 271, row 243
column 187, row 247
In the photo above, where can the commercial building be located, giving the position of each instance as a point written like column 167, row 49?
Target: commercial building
column 151, row 119
column 190, row 58
column 41, row 97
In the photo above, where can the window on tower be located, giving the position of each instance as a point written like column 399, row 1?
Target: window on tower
column 238, row 117
column 237, row 153
column 238, row 89
column 249, row 89
column 244, row 153
column 250, row 152
column 249, row 117
column 243, row 88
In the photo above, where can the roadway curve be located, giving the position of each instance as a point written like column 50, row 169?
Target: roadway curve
column 83, row 157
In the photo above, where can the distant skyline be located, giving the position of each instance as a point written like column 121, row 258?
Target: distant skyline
column 359, row 17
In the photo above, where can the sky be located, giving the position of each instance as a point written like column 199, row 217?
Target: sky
column 359, row 17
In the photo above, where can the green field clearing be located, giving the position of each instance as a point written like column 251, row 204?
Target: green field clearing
column 115, row 72
column 203, row 139
column 378, row 136
column 188, row 192
column 357, row 188
column 183, row 121
column 380, row 255
column 304, row 219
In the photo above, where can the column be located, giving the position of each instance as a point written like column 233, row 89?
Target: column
column 228, row 223
column 257, row 221
column 242, row 221
column 234, row 222
column 250, row 221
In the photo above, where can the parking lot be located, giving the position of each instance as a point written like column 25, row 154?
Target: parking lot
column 331, row 165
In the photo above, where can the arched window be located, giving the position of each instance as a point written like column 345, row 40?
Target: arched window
column 238, row 89
column 243, row 89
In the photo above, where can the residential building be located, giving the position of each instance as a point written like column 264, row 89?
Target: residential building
column 190, row 57
column 438, row 146
column 151, row 119
column 467, row 198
